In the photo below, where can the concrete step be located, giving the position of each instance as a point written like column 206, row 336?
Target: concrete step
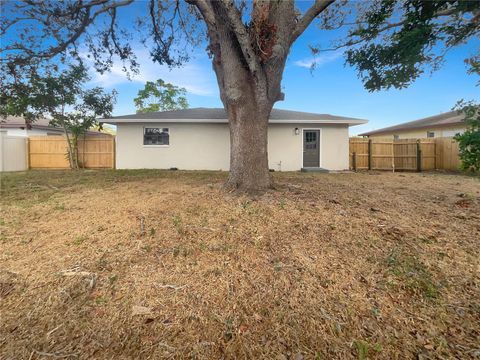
column 315, row 169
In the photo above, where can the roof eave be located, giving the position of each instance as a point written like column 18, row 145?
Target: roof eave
column 32, row 126
column 225, row 121
column 389, row 131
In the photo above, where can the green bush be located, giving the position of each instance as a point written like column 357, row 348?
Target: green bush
column 469, row 141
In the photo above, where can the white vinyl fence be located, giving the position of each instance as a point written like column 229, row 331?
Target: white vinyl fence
column 13, row 152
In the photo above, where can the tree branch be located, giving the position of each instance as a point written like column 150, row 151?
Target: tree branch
column 206, row 10
column 243, row 37
column 388, row 26
column 87, row 20
column 312, row 13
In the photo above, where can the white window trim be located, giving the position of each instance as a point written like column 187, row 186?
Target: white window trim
column 156, row 146
column 319, row 145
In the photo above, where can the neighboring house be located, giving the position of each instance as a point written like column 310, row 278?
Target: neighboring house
column 444, row 125
column 17, row 126
column 199, row 139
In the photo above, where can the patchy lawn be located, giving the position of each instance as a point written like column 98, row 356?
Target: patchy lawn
column 158, row 264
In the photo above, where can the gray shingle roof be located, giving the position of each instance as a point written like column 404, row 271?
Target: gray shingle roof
column 445, row 119
column 220, row 114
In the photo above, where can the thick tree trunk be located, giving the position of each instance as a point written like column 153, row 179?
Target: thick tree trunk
column 249, row 59
column 249, row 147
column 249, row 62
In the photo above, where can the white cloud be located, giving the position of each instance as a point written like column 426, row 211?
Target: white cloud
column 195, row 77
column 319, row 60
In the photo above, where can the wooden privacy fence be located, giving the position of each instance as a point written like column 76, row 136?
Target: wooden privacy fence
column 404, row 154
column 50, row 152
column 446, row 152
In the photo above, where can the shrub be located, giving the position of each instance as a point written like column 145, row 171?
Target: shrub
column 469, row 141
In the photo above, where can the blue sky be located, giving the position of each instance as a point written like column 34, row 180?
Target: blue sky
column 332, row 88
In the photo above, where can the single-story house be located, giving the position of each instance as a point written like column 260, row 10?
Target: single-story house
column 18, row 126
column 443, row 125
column 199, row 139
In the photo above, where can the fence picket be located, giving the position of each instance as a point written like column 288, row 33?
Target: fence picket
column 437, row 153
column 50, row 152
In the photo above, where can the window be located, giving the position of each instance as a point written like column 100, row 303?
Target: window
column 430, row 134
column 396, row 137
column 310, row 140
column 451, row 133
column 156, row 136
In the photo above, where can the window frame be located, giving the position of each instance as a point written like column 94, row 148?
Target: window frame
column 430, row 132
column 155, row 145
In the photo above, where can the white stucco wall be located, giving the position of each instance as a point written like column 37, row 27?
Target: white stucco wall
column 13, row 152
column 446, row 131
column 31, row 132
column 207, row 147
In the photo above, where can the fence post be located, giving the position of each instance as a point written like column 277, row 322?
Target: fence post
column 369, row 154
column 27, row 152
column 354, row 161
column 83, row 152
column 3, row 134
column 393, row 155
column 114, row 154
column 419, row 157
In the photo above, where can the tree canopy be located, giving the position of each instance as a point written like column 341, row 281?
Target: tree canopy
column 160, row 96
column 63, row 100
column 389, row 42
column 393, row 42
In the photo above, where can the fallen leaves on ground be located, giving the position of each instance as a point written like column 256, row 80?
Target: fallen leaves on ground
column 154, row 264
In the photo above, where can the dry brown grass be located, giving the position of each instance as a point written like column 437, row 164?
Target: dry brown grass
column 154, row 264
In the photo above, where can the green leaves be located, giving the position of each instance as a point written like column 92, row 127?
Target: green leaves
column 469, row 141
column 42, row 95
column 473, row 64
column 62, row 99
column 397, row 41
column 160, row 96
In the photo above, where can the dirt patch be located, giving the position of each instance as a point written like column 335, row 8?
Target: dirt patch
column 156, row 264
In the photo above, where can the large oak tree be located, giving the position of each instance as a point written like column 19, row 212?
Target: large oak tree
column 390, row 42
